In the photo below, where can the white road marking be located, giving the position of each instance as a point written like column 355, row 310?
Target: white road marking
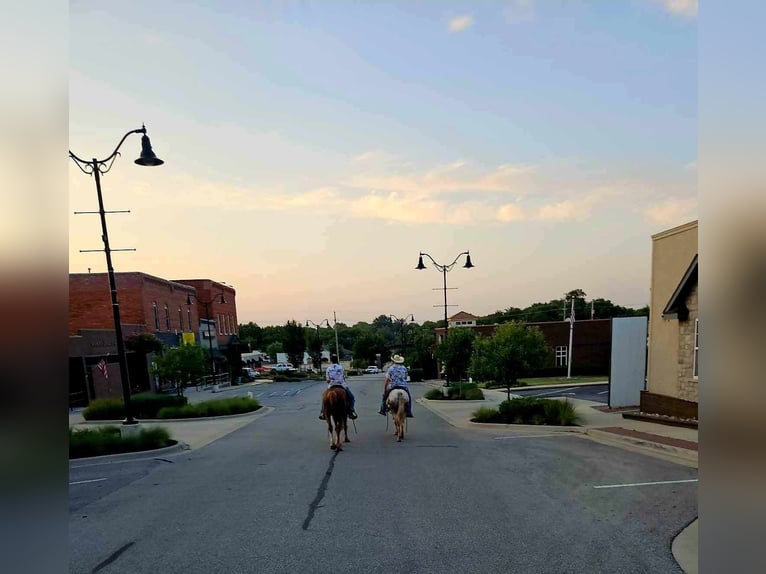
column 602, row 393
column 646, row 483
column 286, row 393
column 534, row 435
column 272, row 394
column 551, row 392
column 86, row 481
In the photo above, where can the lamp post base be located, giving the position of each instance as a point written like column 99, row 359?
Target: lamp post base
column 130, row 429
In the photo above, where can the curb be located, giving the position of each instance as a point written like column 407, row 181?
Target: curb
column 685, row 548
column 186, row 420
column 125, row 456
column 673, row 453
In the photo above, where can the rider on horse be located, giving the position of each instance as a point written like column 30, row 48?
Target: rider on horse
column 396, row 378
column 336, row 376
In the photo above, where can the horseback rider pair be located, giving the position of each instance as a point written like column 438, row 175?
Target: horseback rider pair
column 396, row 378
column 336, row 376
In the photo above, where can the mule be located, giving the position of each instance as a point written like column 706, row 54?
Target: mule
column 397, row 404
column 335, row 409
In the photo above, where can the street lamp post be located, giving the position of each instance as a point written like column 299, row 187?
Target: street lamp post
column 207, row 304
column 318, row 325
column 445, row 269
column 403, row 326
column 97, row 168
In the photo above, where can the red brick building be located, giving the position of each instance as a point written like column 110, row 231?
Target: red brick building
column 591, row 343
column 148, row 304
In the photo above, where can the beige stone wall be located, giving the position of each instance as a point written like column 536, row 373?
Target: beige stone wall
column 672, row 252
column 687, row 384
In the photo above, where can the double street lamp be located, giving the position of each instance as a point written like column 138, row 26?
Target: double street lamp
column 318, row 325
column 445, row 269
column 97, row 168
column 207, row 305
column 403, row 327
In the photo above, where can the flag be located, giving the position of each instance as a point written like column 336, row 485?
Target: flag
column 102, row 367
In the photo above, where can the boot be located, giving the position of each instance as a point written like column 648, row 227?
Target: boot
column 352, row 414
column 322, row 417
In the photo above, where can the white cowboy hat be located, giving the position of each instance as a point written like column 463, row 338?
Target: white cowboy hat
column 398, row 359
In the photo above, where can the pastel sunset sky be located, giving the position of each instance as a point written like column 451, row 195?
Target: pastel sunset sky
column 313, row 149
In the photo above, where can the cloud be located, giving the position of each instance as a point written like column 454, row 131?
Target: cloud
column 460, row 23
column 510, row 212
column 519, row 10
column 685, row 8
column 673, row 211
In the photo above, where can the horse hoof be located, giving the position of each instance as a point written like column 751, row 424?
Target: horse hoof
column 333, row 447
column 347, row 440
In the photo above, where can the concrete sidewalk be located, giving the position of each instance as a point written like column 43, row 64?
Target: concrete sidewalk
column 677, row 444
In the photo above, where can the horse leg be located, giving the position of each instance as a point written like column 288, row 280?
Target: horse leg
column 345, row 429
column 330, row 432
column 338, row 430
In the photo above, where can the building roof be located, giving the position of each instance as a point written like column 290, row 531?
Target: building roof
column 676, row 307
column 462, row 316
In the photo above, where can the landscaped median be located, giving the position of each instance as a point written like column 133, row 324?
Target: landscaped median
column 106, row 439
column 149, row 406
column 529, row 411
column 457, row 392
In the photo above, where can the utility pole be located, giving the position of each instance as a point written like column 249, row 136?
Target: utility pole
column 592, row 310
column 335, row 326
column 571, row 332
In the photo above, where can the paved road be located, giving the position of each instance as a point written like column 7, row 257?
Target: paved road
column 272, row 497
column 597, row 393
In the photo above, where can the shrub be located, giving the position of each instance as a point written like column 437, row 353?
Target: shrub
column 465, row 391
column 416, row 375
column 215, row 408
column 107, row 440
column 144, row 406
column 434, row 394
column 561, row 413
column 484, row 415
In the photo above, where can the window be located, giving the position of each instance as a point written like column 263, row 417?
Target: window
column 221, row 326
column 561, row 356
column 156, row 316
column 180, row 319
column 188, row 316
column 695, row 364
column 167, row 317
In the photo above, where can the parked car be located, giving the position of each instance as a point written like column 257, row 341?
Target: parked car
column 248, row 373
column 262, row 370
column 372, row 370
column 283, row 367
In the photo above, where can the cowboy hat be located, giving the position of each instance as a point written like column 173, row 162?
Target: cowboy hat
column 398, row 359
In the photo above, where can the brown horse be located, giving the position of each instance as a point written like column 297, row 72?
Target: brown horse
column 335, row 409
column 397, row 404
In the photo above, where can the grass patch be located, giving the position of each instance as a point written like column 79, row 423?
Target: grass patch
column 215, row 408
column 560, row 380
column 529, row 411
column 107, row 440
column 144, row 406
column 457, row 392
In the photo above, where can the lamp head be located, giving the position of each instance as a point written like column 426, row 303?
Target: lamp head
column 468, row 263
column 420, row 263
column 188, row 300
column 223, row 301
column 147, row 158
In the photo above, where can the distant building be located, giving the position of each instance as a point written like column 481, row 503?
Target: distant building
column 591, row 343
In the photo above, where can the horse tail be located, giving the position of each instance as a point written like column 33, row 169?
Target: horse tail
column 401, row 404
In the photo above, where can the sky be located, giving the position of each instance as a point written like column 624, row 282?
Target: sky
column 313, row 149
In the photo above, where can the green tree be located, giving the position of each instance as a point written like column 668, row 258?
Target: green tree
column 294, row 342
column 144, row 343
column 455, row 352
column 514, row 351
column 180, row 365
column 314, row 345
column 251, row 336
column 273, row 349
column 366, row 348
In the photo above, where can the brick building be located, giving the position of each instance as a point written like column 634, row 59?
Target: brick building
column 591, row 343
column 148, row 304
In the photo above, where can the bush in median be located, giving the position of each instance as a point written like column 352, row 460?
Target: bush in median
column 457, row 392
column 144, row 406
column 529, row 410
column 216, row 408
column 107, row 440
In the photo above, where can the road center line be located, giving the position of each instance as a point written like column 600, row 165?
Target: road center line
column 602, row 392
column 646, row 483
column 86, row 481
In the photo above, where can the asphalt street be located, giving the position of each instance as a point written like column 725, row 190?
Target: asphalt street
column 272, row 497
column 596, row 393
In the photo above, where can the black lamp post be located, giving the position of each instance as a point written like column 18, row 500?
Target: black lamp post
column 445, row 269
column 96, row 168
column 207, row 304
column 403, row 327
column 318, row 325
